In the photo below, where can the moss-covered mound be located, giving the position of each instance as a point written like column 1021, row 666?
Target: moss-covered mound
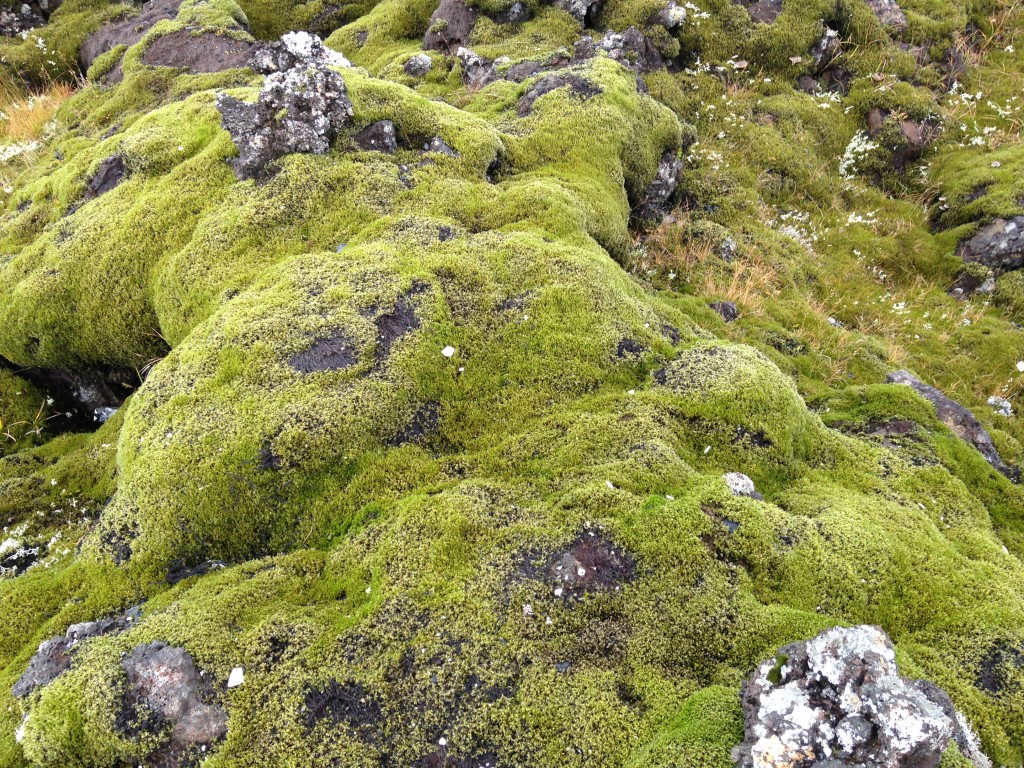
column 424, row 448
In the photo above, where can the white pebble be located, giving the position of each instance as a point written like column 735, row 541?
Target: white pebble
column 236, row 678
column 448, row 351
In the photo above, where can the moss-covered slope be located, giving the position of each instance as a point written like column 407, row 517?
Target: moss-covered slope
column 387, row 399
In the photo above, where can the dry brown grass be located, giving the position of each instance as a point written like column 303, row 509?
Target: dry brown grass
column 748, row 281
column 25, row 116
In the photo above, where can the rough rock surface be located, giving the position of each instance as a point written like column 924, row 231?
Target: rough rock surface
column 418, row 65
column 582, row 10
column 165, row 679
column 889, row 13
column 128, row 31
column 960, row 420
column 379, row 137
column 204, row 52
column 762, row 11
column 838, row 701
column 998, row 245
column 450, row 26
column 656, row 200
column 55, row 656
column 579, row 87
column 727, row 310
column 633, row 49
column 477, row 71
column 301, row 107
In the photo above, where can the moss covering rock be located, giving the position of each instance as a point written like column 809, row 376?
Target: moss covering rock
column 427, row 447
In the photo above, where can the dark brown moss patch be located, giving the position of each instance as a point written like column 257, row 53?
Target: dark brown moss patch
column 333, row 353
column 349, row 703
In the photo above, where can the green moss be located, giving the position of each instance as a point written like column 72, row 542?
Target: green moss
column 385, row 521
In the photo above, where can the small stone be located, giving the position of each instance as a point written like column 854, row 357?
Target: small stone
column 448, row 352
column 379, row 137
column 727, row 310
column 741, row 485
column 1001, row 405
column 236, row 678
column 418, row 65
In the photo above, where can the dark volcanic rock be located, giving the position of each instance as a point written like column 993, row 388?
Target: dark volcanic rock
column 825, row 50
column 450, row 26
column 762, row 11
column 205, row 52
column 998, row 245
column 582, row 10
column 301, row 108
column 418, row 65
column 656, row 200
column 633, row 49
column 581, row 88
column 109, row 173
column 727, row 310
column 960, row 420
column 55, row 655
column 128, row 31
column 80, row 399
column 889, row 13
column 331, row 354
column 476, row 70
column 166, row 680
column 379, row 137
column 838, row 701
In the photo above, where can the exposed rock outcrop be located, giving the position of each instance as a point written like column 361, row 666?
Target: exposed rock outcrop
column 839, row 701
column 301, row 108
column 127, row 31
column 998, row 245
column 198, row 53
column 960, row 420
column 55, row 655
column 165, row 679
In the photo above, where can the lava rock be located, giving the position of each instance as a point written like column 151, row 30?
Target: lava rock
column 21, row 18
column 438, row 145
column 762, row 11
column 109, row 173
column 302, row 106
column 915, row 136
column 671, row 16
column 202, row 53
column 960, row 420
column 450, row 26
column 379, row 137
column 476, row 70
column 55, row 655
column 581, row 10
column 889, row 13
column 517, row 13
column 839, row 701
column 998, row 245
column 826, row 50
column 633, row 49
column 166, row 680
column 418, row 65
column 584, row 89
column 127, row 31
column 1001, row 405
column 727, row 310
column 656, row 201
column 741, row 485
